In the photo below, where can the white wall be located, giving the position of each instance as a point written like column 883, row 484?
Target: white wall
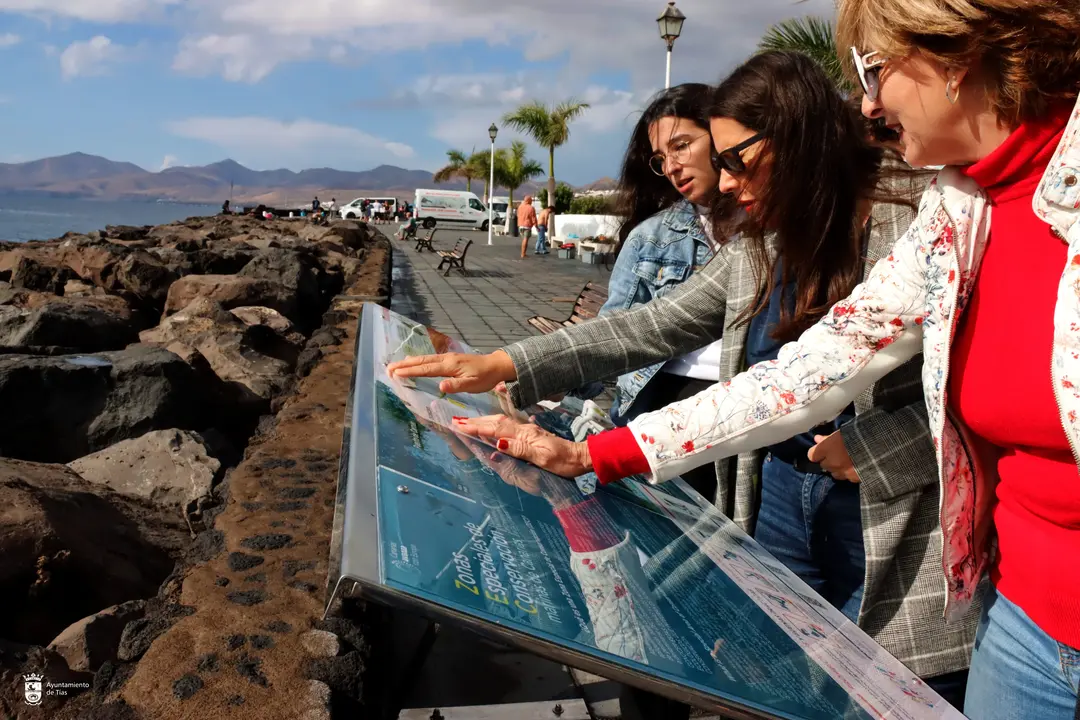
column 586, row 226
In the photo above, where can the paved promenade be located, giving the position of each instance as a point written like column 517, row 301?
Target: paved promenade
column 489, row 307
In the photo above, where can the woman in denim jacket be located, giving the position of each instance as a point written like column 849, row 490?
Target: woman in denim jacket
column 667, row 185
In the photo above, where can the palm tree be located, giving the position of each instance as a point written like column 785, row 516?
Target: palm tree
column 513, row 169
column 549, row 127
column 814, row 37
column 458, row 167
column 479, row 163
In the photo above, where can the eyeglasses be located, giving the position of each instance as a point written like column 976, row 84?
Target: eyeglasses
column 681, row 154
column 868, row 67
column 731, row 159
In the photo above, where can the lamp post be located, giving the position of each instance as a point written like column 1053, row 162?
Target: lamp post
column 671, row 23
column 492, row 132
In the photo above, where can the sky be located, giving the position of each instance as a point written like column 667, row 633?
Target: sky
column 348, row 84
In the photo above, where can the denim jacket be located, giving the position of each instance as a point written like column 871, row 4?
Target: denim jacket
column 660, row 253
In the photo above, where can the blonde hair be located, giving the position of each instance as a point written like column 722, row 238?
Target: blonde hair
column 1028, row 51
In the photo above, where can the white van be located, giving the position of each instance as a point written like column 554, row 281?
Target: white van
column 450, row 208
column 355, row 208
column 500, row 206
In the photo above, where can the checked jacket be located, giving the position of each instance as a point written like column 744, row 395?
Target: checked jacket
column 889, row 441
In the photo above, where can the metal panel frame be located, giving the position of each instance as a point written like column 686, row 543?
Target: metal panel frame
column 356, row 558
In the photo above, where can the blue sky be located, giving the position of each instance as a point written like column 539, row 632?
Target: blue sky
column 348, row 84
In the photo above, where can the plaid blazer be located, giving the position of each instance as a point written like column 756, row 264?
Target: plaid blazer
column 889, row 441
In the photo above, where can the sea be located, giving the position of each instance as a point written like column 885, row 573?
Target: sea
column 25, row 216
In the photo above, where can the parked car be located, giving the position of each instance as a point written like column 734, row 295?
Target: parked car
column 354, row 209
column 450, row 208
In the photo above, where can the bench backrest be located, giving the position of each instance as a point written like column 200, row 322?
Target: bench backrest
column 464, row 249
column 588, row 303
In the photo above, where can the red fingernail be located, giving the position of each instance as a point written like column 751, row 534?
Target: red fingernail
column 458, row 418
column 503, row 444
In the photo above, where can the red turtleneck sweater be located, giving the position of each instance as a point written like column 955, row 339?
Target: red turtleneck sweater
column 1000, row 386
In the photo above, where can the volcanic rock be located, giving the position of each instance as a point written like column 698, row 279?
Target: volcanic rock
column 89, row 643
column 253, row 357
column 69, row 548
column 168, row 467
column 232, row 291
column 78, row 324
column 68, row 406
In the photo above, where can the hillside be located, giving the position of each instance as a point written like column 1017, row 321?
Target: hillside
column 90, row 176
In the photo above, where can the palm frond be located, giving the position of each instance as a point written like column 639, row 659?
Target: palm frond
column 813, row 37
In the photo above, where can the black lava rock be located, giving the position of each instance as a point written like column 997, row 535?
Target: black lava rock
column 247, row 597
column 250, row 668
column 258, row 578
column 291, row 506
column 187, row 686
column 210, row 663
column 235, row 642
column 270, row 541
column 342, row 674
column 278, row 626
column 140, row 634
column 252, row 506
column 292, row 567
column 207, row 544
column 296, row 493
column 242, row 561
column 277, row 463
column 262, row 642
column 222, row 582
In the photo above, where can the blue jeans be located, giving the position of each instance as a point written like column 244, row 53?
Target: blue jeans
column 1018, row 672
column 541, row 239
column 813, row 525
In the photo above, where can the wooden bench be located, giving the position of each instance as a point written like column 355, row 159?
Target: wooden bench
column 409, row 234
column 423, row 242
column 587, row 306
column 454, row 258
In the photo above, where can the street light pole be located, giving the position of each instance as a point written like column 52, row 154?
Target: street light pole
column 667, row 75
column 671, row 25
column 492, row 132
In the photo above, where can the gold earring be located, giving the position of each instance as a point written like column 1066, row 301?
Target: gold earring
column 950, row 96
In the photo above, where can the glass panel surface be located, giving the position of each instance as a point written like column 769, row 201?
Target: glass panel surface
column 651, row 578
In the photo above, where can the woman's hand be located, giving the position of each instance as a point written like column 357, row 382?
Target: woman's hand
column 463, row 372
column 831, row 454
column 530, row 443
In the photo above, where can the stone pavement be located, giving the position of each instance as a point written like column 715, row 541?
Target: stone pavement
column 489, row 307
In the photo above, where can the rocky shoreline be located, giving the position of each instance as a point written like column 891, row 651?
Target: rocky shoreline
column 152, row 379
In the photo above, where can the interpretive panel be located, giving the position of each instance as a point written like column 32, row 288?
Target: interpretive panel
column 649, row 579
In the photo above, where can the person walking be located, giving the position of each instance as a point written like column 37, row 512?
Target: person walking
column 526, row 217
column 541, row 230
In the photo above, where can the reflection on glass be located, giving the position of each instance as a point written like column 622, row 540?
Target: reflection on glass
column 650, row 577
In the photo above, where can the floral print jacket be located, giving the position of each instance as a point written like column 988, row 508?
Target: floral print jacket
column 910, row 301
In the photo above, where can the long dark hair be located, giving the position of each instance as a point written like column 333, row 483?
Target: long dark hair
column 642, row 193
column 825, row 169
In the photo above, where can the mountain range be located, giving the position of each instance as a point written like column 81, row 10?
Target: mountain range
column 90, row 176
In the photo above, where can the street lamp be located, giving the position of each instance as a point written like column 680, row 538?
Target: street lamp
column 670, row 22
column 492, row 132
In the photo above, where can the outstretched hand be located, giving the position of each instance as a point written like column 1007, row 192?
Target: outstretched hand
column 531, row 443
column 463, row 372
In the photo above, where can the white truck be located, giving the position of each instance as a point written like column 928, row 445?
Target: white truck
column 450, row 208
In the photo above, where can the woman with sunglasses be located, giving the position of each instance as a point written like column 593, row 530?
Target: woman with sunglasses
column 666, row 189
column 796, row 156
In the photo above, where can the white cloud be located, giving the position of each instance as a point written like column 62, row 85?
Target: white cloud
column 90, row 57
column 168, row 162
column 596, row 35
column 238, row 58
column 9, row 39
column 102, row 11
column 267, row 142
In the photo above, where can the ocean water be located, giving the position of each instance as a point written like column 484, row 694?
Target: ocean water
column 38, row 217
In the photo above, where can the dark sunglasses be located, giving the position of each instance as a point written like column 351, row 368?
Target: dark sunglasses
column 731, row 159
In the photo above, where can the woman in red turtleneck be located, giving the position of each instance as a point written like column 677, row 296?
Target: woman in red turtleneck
column 984, row 87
